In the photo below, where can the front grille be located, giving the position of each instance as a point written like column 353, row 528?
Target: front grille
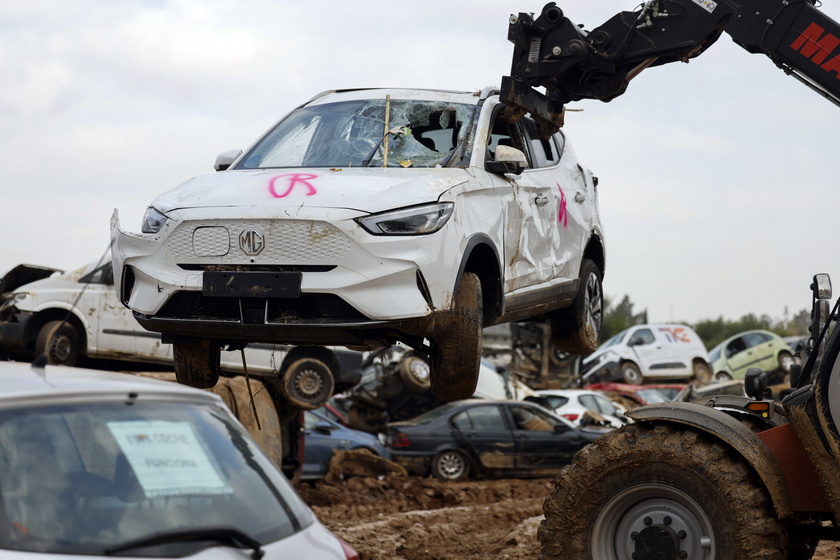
column 307, row 307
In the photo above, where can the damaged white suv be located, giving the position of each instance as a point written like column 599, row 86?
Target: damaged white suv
column 367, row 217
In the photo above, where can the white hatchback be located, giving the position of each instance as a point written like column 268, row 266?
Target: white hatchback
column 96, row 464
column 367, row 217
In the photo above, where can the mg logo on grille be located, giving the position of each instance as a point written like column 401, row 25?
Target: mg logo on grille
column 251, row 241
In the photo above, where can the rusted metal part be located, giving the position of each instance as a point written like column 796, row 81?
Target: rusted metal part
column 734, row 434
column 806, row 493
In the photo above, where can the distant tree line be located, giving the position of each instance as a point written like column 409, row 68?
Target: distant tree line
column 619, row 316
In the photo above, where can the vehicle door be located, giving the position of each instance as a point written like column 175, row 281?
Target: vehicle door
column 737, row 356
column 557, row 175
column 118, row 334
column 542, row 440
column 761, row 351
column 677, row 343
column 483, row 431
column 648, row 351
column 319, row 444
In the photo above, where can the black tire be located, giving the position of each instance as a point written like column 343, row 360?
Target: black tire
column 456, row 352
column 655, row 491
column 367, row 419
column 197, row 363
column 723, row 376
column 415, row 374
column 702, row 372
column 575, row 329
column 631, row 374
column 307, row 383
column 59, row 341
column 451, row 465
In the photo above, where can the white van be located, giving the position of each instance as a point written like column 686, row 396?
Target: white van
column 645, row 352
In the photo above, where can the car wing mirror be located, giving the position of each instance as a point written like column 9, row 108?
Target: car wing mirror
column 323, row 428
column 508, row 160
column 225, row 159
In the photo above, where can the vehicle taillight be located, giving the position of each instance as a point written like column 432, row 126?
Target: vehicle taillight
column 571, row 417
column 399, row 439
column 349, row 552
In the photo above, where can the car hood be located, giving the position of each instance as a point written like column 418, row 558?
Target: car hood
column 364, row 190
column 24, row 274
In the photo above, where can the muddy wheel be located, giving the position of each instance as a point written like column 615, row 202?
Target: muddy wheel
column 631, row 373
column 59, row 341
column 649, row 492
column 456, row 352
column 197, row 363
column 723, row 376
column 414, row 373
column 785, row 361
column 702, row 372
column 451, row 465
column 307, row 383
column 575, row 329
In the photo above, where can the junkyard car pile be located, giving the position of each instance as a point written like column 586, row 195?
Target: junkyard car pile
column 96, row 464
column 367, row 217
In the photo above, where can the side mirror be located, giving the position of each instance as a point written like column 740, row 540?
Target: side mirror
column 225, row 159
column 323, row 428
column 821, row 286
column 508, row 160
column 756, row 384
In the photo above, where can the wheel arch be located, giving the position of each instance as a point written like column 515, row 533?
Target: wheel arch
column 732, row 433
column 41, row 318
column 317, row 352
column 595, row 252
column 481, row 258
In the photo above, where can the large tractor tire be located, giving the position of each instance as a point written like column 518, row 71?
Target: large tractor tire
column 456, row 353
column 575, row 329
column 653, row 491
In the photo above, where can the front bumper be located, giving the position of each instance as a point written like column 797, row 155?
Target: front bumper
column 16, row 334
column 353, row 286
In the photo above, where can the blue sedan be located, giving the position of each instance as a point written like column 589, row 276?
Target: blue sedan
column 494, row 438
column 323, row 436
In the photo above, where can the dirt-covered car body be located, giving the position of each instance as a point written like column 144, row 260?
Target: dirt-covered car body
column 333, row 229
column 324, row 436
column 75, row 314
column 494, row 438
column 95, row 464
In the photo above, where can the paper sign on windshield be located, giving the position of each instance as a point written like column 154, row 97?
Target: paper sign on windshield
column 167, row 458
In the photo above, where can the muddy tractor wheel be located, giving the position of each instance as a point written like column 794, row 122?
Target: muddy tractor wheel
column 456, row 352
column 648, row 492
column 575, row 329
column 59, row 341
column 197, row 363
column 631, row 374
column 451, row 465
column 307, row 383
column 415, row 374
column 702, row 372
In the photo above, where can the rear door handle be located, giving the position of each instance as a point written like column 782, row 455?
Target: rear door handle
column 541, row 200
column 579, row 197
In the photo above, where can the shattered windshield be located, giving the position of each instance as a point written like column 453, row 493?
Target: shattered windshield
column 353, row 134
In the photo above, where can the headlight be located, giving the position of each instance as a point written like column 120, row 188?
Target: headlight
column 417, row 220
column 153, row 220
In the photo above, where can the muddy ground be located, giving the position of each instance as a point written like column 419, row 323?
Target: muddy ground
column 424, row 519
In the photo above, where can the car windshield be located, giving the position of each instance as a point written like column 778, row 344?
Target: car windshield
column 86, row 478
column 352, row 134
column 613, row 341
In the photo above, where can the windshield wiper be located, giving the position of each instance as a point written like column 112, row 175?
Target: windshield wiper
column 227, row 536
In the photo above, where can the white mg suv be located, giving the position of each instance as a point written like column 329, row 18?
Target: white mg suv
column 367, row 217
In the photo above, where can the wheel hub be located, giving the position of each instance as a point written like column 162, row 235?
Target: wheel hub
column 657, row 542
column 309, row 383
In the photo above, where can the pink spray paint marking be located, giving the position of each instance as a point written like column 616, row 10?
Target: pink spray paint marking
column 292, row 179
column 562, row 216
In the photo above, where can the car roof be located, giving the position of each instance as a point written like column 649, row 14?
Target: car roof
column 25, row 383
column 466, row 97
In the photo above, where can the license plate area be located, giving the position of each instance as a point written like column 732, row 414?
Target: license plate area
column 252, row 284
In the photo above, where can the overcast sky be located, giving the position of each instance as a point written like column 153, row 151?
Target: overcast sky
column 718, row 186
